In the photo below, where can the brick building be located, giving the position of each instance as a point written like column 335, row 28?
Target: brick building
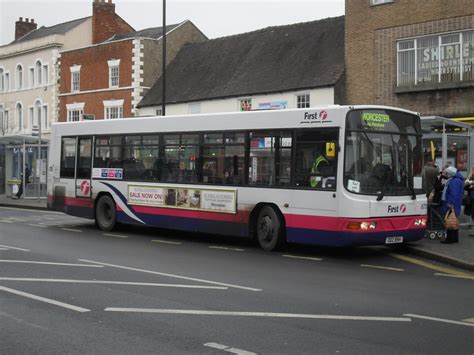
column 418, row 55
column 29, row 91
column 411, row 54
column 108, row 79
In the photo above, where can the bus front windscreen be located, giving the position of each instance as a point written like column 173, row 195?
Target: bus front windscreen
column 383, row 153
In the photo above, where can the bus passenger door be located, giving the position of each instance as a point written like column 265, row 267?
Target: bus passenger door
column 84, row 167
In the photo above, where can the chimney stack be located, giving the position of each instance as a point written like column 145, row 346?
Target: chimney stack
column 103, row 20
column 24, row 27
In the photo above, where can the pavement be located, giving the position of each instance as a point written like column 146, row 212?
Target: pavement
column 459, row 254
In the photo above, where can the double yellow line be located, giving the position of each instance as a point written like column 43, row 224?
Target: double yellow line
column 428, row 265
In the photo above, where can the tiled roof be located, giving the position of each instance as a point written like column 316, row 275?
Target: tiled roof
column 43, row 31
column 154, row 32
column 274, row 59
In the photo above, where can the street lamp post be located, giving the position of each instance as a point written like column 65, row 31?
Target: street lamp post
column 163, row 98
column 38, row 163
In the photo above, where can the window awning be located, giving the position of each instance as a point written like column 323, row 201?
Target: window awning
column 20, row 139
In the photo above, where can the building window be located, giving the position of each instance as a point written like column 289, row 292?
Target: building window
column 74, row 115
column 7, row 82
column 39, row 73
column 19, row 116
column 113, row 109
column 45, row 74
column 75, row 111
column 113, row 112
column 76, row 81
column 2, row 80
column 2, row 118
column 75, row 78
column 444, row 58
column 32, row 77
column 302, row 101
column 6, row 119
column 44, row 116
column 379, row 2
column 19, row 77
column 38, row 120
column 113, row 72
column 245, row 104
column 31, row 117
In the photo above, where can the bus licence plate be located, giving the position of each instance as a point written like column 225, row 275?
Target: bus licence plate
column 393, row 240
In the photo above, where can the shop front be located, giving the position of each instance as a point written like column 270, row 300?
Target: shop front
column 448, row 142
column 23, row 167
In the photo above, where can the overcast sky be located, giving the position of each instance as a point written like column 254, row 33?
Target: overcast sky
column 216, row 18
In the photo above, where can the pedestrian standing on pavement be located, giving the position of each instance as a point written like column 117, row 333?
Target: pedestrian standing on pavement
column 453, row 193
column 435, row 197
column 469, row 201
column 431, row 175
column 24, row 179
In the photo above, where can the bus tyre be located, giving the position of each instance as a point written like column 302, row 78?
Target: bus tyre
column 269, row 229
column 105, row 215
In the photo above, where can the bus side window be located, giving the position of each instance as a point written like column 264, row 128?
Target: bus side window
column 314, row 168
column 68, row 157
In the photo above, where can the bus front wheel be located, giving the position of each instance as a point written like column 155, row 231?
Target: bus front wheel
column 269, row 229
column 105, row 215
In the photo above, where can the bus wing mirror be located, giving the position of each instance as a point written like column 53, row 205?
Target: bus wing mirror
column 330, row 150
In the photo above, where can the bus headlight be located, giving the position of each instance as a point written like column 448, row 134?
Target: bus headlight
column 362, row 225
column 420, row 222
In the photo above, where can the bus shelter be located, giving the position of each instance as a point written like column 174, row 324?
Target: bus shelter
column 23, row 156
column 448, row 142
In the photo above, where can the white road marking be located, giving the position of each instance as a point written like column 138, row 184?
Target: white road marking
column 165, row 242
column 5, row 221
column 228, row 349
column 257, row 314
column 225, row 248
column 4, row 249
column 9, row 247
column 171, row 275
column 115, row 235
column 72, row 230
column 439, row 320
column 46, row 263
column 302, row 257
column 43, row 299
column 382, row 267
column 111, row 283
column 467, row 277
column 37, row 225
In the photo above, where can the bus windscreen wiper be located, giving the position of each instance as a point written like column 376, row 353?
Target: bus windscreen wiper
column 384, row 187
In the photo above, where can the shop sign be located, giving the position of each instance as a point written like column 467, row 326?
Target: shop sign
column 276, row 105
column 29, row 150
column 183, row 198
column 447, row 58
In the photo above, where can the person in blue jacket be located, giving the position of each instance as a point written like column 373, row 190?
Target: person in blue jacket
column 452, row 198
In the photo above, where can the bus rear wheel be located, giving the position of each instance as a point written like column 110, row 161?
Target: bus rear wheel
column 105, row 215
column 269, row 229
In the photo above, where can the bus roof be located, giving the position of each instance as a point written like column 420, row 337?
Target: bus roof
column 318, row 116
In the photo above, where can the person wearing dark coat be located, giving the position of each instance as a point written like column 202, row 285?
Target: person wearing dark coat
column 431, row 175
column 452, row 198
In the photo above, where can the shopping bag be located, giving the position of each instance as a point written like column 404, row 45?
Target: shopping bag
column 450, row 220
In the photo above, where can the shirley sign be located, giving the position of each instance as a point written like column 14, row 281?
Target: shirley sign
column 447, row 58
